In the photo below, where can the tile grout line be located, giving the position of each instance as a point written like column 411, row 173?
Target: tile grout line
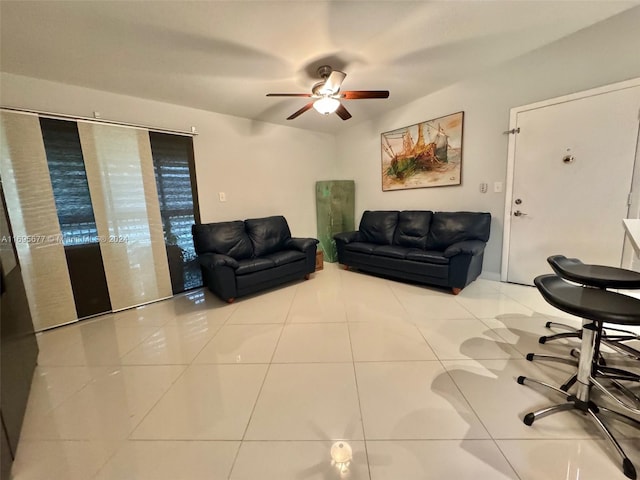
column 493, row 440
column 185, row 367
column 264, row 379
column 355, row 378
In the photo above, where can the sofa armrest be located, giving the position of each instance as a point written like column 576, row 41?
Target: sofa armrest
column 469, row 247
column 302, row 244
column 211, row 260
column 348, row 237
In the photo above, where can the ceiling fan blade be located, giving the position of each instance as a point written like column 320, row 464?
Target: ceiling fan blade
column 343, row 113
column 289, row 95
column 359, row 94
column 333, row 82
column 301, row 111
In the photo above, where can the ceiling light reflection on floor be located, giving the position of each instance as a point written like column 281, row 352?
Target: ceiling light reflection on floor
column 341, row 455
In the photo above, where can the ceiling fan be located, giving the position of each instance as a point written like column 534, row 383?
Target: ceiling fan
column 327, row 95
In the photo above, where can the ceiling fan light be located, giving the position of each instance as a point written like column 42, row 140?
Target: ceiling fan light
column 326, row 105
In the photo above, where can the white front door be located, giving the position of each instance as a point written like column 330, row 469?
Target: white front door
column 572, row 174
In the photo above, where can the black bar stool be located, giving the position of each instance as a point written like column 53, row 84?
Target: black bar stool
column 597, row 276
column 595, row 306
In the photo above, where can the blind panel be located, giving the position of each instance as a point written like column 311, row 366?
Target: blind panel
column 75, row 214
column 32, row 212
column 125, row 204
column 69, row 181
column 172, row 155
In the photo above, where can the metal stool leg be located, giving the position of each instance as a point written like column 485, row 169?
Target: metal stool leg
column 581, row 400
column 572, row 332
column 627, row 466
column 552, row 358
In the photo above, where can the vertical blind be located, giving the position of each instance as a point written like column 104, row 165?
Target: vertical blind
column 126, row 189
column 172, row 156
column 125, row 203
column 32, row 212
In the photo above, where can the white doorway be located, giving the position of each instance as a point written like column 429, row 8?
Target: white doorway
column 571, row 164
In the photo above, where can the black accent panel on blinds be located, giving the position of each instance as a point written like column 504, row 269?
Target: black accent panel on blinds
column 69, row 181
column 75, row 214
column 174, row 168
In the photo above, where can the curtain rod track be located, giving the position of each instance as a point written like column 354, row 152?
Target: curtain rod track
column 63, row 116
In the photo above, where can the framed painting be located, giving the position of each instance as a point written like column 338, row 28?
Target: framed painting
column 427, row 154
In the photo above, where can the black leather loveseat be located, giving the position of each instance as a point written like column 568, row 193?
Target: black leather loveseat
column 243, row 257
column 437, row 248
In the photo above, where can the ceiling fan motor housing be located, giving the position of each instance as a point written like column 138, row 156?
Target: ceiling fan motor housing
column 324, row 71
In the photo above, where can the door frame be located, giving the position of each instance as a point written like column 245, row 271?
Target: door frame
column 511, row 154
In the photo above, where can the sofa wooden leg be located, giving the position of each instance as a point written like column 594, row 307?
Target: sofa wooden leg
column 346, row 267
column 456, row 290
column 230, row 300
column 307, row 276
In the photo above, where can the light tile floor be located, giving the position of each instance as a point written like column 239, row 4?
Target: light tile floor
column 420, row 384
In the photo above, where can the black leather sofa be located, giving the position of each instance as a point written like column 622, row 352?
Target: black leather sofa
column 437, row 248
column 242, row 257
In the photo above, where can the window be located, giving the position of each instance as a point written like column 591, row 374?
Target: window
column 69, row 181
column 173, row 166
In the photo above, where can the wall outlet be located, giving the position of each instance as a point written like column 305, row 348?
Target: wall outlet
column 497, row 187
column 222, row 196
column 483, row 187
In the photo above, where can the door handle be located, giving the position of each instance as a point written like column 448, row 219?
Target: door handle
column 518, row 213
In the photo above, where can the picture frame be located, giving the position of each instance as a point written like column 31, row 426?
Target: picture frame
column 426, row 154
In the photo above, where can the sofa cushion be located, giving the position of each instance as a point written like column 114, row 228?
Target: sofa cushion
column 361, row 247
column 226, row 238
column 392, row 251
column 412, row 229
column 268, row 234
column 451, row 227
column 250, row 265
column 427, row 256
column 285, row 256
column 378, row 226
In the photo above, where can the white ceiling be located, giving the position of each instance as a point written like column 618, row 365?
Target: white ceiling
column 224, row 56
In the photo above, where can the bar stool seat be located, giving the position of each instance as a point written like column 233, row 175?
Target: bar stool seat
column 592, row 303
column 597, row 276
column 595, row 306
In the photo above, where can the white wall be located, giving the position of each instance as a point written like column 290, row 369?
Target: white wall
column 264, row 169
column 603, row 54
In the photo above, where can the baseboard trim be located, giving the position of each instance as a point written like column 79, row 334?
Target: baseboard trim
column 495, row 276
